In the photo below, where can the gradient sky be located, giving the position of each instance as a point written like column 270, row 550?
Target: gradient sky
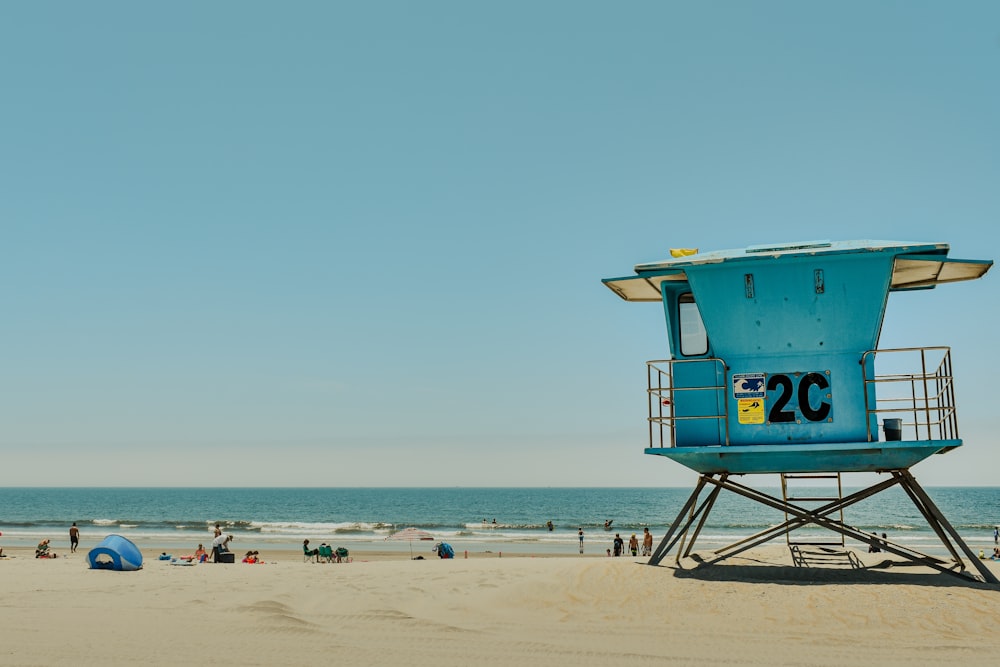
column 361, row 244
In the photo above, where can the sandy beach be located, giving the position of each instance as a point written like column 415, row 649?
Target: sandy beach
column 382, row 609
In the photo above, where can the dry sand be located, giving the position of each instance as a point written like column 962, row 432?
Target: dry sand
column 384, row 609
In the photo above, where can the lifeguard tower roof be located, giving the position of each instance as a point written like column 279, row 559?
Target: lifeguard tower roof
column 916, row 266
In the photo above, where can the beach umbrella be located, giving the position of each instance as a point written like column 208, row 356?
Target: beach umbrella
column 411, row 535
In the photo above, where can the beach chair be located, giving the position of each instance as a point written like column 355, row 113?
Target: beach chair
column 342, row 555
column 308, row 553
column 326, row 553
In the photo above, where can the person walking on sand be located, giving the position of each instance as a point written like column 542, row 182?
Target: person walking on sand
column 580, row 534
column 74, row 538
column 633, row 545
column 647, row 542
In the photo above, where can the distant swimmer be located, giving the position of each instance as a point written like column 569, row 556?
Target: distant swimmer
column 607, row 524
column 550, row 526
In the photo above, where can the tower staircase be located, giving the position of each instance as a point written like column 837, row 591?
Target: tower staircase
column 806, row 497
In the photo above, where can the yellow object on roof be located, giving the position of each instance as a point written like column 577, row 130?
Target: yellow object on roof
column 683, row 252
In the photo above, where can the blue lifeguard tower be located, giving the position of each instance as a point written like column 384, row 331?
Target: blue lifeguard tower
column 774, row 368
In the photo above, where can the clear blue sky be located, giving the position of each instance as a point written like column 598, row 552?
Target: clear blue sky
column 349, row 244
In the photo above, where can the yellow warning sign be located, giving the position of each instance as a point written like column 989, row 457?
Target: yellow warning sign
column 751, row 410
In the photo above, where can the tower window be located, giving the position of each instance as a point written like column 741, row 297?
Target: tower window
column 694, row 339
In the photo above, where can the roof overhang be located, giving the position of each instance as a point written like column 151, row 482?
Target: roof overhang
column 926, row 271
column 643, row 288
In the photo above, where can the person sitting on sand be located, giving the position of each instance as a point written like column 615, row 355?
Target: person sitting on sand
column 42, row 550
column 199, row 556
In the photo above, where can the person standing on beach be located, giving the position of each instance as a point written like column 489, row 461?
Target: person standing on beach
column 647, row 542
column 996, row 535
column 619, row 545
column 215, row 548
column 580, row 533
column 633, row 545
column 74, row 538
column 220, row 545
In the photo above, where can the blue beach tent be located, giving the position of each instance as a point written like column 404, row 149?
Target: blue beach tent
column 115, row 553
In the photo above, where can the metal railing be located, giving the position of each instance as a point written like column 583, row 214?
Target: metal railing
column 661, row 392
column 914, row 385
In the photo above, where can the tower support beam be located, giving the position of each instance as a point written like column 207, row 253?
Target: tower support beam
column 800, row 516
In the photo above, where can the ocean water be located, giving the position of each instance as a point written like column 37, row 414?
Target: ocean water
column 361, row 518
